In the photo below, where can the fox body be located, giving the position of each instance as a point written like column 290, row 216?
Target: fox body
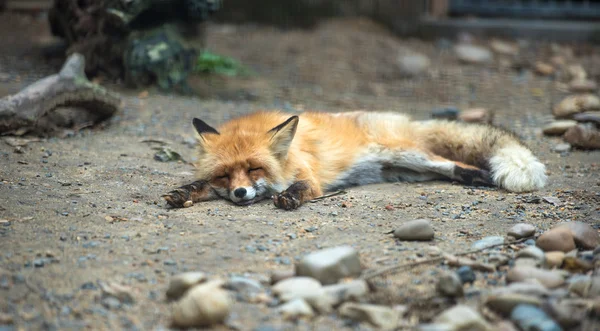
column 295, row 159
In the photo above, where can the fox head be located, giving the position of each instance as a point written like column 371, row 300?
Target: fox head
column 245, row 160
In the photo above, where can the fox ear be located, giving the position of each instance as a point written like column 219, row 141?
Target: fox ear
column 203, row 128
column 282, row 136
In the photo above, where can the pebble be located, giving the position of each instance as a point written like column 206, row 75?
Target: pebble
column 379, row 316
column 567, row 313
column 583, row 86
column 504, row 48
column 476, row 115
column 532, row 252
column 574, row 104
column 179, row 284
column 111, row 303
column 413, row 64
column 487, row 242
column 528, row 318
column 298, row 287
column 118, row 291
column 584, row 235
column 296, row 308
column 576, row 71
column 416, row 230
column 448, row 113
column 466, row 274
column 203, row 305
column 506, row 302
column 554, row 259
column 543, row 69
column 548, row 278
column 580, row 285
column 247, row 288
column 350, row 291
column 562, row 148
column 557, row 128
column 450, row 285
column 529, row 287
column 588, row 116
column 330, row 265
column 527, row 261
column 556, row 239
column 521, row 230
column 472, row 54
column 462, row 317
column 281, row 274
column 584, row 136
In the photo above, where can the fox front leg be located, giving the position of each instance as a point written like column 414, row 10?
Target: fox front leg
column 186, row 195
column 296, row 195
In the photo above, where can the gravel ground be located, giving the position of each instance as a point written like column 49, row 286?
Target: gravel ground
column 87, row 209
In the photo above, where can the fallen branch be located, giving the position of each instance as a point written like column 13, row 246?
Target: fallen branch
column 64, row 100
column 328, row 196
column 398, row 267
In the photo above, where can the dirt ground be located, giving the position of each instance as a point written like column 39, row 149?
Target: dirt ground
column 87, row 209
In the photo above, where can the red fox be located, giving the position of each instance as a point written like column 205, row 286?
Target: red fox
column 295, row 159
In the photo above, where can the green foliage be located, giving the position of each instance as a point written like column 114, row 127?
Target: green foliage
column 211, row 63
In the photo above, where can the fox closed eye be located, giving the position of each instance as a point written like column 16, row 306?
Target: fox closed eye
column 255, row 169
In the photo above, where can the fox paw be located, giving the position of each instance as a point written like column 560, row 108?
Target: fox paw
column 286, row 200
column 178, row 198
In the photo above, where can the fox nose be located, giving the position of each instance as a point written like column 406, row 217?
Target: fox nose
column 240, row 192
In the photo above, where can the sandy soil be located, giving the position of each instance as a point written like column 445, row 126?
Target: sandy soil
column 87, row 209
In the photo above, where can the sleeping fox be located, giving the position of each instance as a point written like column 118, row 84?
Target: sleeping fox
column 295, row 159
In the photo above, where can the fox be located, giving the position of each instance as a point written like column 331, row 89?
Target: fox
column 294, row 159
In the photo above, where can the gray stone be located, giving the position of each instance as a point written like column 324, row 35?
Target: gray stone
column 488, row 242
column 413, row 64
column 506, row 302
column 548, row 278
column 203, row 305
column 584, row 235
column 298, row 287
column 533, row 252
column 180, row 283
column 521, row 230
column 567, row 313
column 557, row 128
column 379, row 316
column 529, row 318
column 462, row 317
column 450, row 285
column 330, row 265
column 574, row 104
column 296, row 308
column 504, row 48
column 531, row 288
column 353, row 291
column 415, row 230
column 473, row 54
column 561, row 148
column 556, row 239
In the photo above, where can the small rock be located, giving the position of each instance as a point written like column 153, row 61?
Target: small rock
column 204, row 305
column 580, row 285
column 584, row 136
column 532, row 252
column 111, row 303
column 521, row 230
column 556, row 239
column 527, row 261
column 298, row 287
column 330, row 265
column 5, row 319
column 488, row 242
column 530, row 288
column 245, row 287
column 554, row 259
column 118, row 291
column 529, row 317
column 351, row 291
column 296, row 308
column 415, row 230
column 462, row 317
column 379, row 316
column 466, row 274
column 567, row 313
column 577, row 72
column 450, row 285
column 562, row 148
column 448, row 113
column 585, row 236
column 413, row 64
column 588, row 116
column 583, row 86
column 476, row 115
column 505, row 303
column 548, row 278
column 574, row 104
column 279, row 275
column 472, row 54
column 543, row 69
column 504, row 48
column 557, row 128
column 575, row 264
column 179, row 284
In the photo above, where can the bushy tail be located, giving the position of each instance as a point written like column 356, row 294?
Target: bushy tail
column 511, row 164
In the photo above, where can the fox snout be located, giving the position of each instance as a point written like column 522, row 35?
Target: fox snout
column 242, row 194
